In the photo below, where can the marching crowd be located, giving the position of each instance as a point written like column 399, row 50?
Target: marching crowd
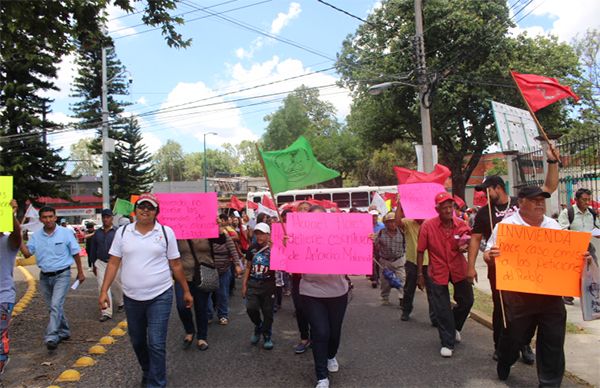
column 141, row 268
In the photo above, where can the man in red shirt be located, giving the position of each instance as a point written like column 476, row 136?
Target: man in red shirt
column 446, row 238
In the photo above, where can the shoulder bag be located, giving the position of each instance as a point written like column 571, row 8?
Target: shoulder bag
column 206, row 276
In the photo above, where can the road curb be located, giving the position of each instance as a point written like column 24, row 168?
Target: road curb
column 25, row 300
column 71, row 374
column 486, row 321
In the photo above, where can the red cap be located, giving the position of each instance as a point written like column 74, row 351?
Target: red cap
column 148, row 197
column 443, row 197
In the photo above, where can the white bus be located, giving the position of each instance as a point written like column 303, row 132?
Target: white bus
column 345, row 197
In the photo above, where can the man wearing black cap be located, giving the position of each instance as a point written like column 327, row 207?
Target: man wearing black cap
column 545, row 312
column 501, row 206
column 98, row 256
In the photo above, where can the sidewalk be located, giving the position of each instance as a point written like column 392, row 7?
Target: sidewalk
column 582, row 351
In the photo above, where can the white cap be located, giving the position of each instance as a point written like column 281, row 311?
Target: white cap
column 263, row 227
column 374, row 212
column 236, row 213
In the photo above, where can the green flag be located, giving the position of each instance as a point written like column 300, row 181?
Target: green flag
column 295, row 167
column 123, row 207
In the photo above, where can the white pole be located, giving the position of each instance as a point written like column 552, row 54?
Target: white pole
column 422, row 80
column 105, row 181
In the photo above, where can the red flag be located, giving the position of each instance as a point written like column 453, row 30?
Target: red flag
column 268, row 202
column 540, row 91
column 393, row 197
column 439, row 175
column 235, row 203
column 252, row 205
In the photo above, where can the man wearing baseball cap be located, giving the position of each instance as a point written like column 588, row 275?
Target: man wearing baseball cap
column 389, row 251
column 443, row 237
column 99, row 245
column 526, row 310
column 501, row 206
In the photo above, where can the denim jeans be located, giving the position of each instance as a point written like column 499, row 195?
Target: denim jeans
column 5, row 315
column 148, row 322
column 200, row 310
column 326, row 316
column 54, row 288
column 223, row 295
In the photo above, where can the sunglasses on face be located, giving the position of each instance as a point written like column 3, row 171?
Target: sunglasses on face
column 146, row 206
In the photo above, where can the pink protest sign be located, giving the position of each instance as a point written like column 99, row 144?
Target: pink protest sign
column 190, row 215
column 418, row 199
column 278, row 254
column 325, row 243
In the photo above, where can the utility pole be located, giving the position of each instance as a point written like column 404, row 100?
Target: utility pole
column 105, row 181
column 423, row 82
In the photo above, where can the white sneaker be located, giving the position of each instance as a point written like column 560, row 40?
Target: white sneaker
column 446, row 352
column 457, row 337
column 332, row 366
column 323, row 383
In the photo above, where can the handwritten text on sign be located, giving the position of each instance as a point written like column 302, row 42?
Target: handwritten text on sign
column 418, row 199
column 6, row 195
column 190, row 215
column 325, row 243
column 540, row 260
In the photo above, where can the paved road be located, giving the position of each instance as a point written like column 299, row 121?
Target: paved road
column 378, row 350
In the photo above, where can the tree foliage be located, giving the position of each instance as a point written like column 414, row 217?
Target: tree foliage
column 168, row 162
column 469, row 54
column 85, row 162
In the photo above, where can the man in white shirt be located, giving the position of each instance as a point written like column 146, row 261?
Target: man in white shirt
column 547, row 312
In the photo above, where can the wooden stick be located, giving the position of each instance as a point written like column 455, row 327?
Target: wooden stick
column 262, row 163
column 487, row 191
column 537, row 123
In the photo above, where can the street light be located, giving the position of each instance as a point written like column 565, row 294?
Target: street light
column 425, row 120
column 206, row 161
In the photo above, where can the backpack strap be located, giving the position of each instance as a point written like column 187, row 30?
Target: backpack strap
column 571, row 214
column 123, row 230
column 165, row 234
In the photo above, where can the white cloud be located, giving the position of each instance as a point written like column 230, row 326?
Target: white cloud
column 67, row 70
column 116, row 23
column 151, row 141
column 68, row 136
column 142, row 101
column 283, row 19
column 569, row 18
column 212, row 114
column 277, row 70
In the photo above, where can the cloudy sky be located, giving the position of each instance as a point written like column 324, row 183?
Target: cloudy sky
column 246, row 55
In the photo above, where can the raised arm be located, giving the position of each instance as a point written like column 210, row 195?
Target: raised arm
column 551, row 181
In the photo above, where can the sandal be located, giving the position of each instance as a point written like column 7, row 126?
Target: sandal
column 187, row 342
column 202, row 345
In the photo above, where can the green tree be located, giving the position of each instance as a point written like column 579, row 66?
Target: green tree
column 86, row 163
column 587, row 86
column 469, row 54
column 132, row 163
column 245, row 153
column 218, row 162
column 304, row 113
column 168, row 162
column 499, row 167
column 378, row 168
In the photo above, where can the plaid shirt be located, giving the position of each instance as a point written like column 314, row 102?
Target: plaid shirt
column 390, row 247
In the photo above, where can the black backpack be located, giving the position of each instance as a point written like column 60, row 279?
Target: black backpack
column 571, row 214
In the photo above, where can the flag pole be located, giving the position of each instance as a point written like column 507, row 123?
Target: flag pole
column 487, row 191
column 262, row 163
column 544, row 135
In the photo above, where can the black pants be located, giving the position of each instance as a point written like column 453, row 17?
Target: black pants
column 497, row 321
column 550, row 355
column 325, row 316
column 451, row 319
column 301, row 320
column 411, row 286
column 259, row 299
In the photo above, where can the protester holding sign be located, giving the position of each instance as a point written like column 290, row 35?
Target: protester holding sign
column 324, row 300
column 9, row 247
column 443, row 238
column 546, row 312
column 148, row 253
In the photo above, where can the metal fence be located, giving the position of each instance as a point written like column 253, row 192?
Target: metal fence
column 580, row 157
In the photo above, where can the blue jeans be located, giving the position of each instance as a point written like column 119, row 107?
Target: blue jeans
column 223, row 295
column 54, row 288
column 200, row 310
column 148, row 322
column 5, row 315
column 325, row 316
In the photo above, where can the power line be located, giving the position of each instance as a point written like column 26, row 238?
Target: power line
column 345, row 12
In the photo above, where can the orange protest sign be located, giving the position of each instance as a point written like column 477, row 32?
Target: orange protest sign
column 540, row 260
column 133, row 199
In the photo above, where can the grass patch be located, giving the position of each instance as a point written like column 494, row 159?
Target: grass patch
column 573, row 328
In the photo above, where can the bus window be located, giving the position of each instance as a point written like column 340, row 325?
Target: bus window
column 303, row 197
column 342, row 199
column 256, row 199
column 281, row 199
column 360, row 199
column 325, row 196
